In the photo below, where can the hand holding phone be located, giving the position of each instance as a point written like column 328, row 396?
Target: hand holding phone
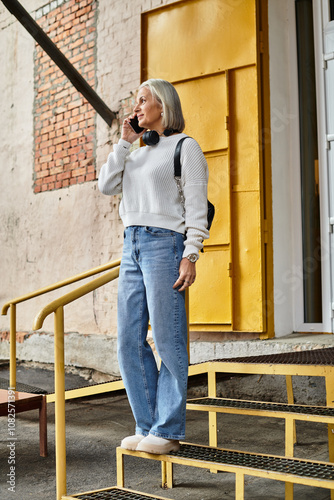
column 135, row 125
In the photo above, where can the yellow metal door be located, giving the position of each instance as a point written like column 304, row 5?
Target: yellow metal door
column 209, row 50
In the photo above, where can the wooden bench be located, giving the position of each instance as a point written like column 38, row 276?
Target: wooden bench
column 24, row 402
column 289, row 412
column 290, row 470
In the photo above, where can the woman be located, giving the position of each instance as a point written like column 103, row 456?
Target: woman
column 163, row 235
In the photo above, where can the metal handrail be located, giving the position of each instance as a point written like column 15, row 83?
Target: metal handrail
column 57, row 307
column 55, row 286
column 73, row 295
column 60, row 284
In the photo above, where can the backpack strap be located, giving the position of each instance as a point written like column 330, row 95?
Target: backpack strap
column 177, row 158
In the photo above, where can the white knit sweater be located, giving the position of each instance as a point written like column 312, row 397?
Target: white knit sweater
column 150, row 194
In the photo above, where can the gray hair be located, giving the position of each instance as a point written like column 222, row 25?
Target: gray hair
column 165, row 93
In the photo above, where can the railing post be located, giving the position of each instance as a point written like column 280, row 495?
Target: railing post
column 60, row 402
column 12, row 347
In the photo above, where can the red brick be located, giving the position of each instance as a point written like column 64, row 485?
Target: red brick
column 46, row 158
column 56, row 170
column 51, row 178
column 60, row 154
column 59, row 140
column 42, row 174
column 75, row 135
column 90, row 177
column 63, row 176
column 74, row 151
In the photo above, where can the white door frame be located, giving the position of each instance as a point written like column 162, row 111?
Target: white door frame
column 327, row 256
column 321, row 25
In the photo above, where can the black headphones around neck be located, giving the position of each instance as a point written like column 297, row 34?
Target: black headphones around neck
column 151, row 137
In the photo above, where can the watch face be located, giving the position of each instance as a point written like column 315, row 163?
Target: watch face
column 192, row 257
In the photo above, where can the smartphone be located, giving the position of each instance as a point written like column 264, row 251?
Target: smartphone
column 135, row 126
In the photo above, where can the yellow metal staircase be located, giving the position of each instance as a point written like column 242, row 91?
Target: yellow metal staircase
column 290, row 470
column 282, row 468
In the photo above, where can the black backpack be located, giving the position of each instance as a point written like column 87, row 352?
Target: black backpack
column 177, row 175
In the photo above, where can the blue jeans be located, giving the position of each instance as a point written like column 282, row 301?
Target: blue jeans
column 149, row 268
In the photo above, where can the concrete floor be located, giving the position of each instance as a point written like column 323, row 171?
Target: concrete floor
column 95, row 426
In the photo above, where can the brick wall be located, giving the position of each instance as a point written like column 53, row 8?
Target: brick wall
column 64, row 122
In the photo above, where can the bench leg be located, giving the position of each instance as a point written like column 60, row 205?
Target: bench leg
column 43, row 435
column 239, row 486
column 288, row 491
column 120, row 467
column 166, row 475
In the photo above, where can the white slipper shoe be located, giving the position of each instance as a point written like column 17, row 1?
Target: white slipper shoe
column 131, row 442
column 157, row 445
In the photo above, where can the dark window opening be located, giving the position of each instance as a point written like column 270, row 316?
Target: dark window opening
column 309, row 163
column 331, row 10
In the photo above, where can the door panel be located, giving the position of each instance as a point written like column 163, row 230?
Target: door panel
column 199, row 37
column 219, row 189
column 200, row 101
column 207, row 313
column 244, row 127
column 248, row 306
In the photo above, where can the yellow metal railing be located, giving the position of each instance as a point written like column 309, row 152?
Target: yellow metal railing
column 12, row 306
column 57, row 307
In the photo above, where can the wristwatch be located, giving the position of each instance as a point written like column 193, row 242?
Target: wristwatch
column 192, row 257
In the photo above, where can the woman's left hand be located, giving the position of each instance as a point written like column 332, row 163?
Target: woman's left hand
column 187, row 275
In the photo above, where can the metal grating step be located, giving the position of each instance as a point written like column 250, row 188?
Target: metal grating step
column 264, row 406
column 20, row 387
column 312, row 357
column 111, row 494
column 4, row 384
column 282, row 465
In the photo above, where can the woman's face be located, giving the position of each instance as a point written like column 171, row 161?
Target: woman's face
column 148, row 110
